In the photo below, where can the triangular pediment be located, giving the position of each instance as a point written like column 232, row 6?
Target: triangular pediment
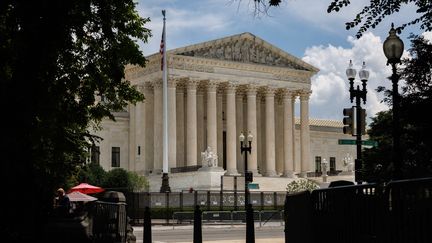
column 246, row 48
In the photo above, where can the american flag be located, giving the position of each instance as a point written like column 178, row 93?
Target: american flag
column 161, row 50
column 162, row 44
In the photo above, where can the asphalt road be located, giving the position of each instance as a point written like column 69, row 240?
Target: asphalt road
column 213, row 234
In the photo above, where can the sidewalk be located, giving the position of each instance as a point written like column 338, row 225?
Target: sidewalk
column 209, row 226
column 220, row 226
column 272, row 240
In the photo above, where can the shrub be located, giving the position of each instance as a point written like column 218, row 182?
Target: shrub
column 137, row 183
column 117, row 179
column 301, row 185
column 120, row 179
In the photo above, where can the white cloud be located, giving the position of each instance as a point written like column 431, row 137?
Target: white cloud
column 427, row 35
column 330, row 86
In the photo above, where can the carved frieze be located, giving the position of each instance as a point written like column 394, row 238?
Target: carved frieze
column 242, row 50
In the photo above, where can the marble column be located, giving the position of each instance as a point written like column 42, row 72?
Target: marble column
column 132, row 137
column 270, row 132
column 149, row 130
column 239, row 129
column 252, row 127
column 140, row 137
column 191, row 124
column 220, row 127
column 158, row 135
column 180, row 126
column 172, row 125
column 231, row 130
column 288, row 135
column 279, row 130
column 293, row 122
column 201, row 129
column 212, row 117
column 304, row 133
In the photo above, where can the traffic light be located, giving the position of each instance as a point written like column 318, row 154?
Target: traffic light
column 363, row 121
column 348, row 120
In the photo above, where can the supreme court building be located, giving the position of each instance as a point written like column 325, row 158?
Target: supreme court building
column 217, row 90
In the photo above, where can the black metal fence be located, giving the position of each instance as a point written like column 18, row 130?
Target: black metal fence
column 400, row 211
column 163, row 205
column 109, row 222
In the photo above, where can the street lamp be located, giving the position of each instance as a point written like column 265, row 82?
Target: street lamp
column 247, row 148
column 324, row 166
column 360, row 114
column 393, row 48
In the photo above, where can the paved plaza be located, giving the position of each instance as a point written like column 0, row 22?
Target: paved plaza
column 270, row 232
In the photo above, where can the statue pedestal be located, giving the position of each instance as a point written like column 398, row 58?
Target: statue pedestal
column 211, row 169
column 208, row 178
column 347, row 173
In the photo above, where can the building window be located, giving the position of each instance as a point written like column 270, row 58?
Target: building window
column 333, row 164
column 317, row 163
column 95, row 154
column 115, row 157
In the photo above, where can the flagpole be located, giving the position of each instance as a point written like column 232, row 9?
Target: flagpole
column 165, row 180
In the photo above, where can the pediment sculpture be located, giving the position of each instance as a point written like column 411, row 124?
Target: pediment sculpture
column 242, row 50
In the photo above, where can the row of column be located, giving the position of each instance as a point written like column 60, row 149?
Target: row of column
column 213, row 126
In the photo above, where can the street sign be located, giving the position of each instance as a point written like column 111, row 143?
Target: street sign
column 253, row 186
column 353, row 142
column 346, row 141
column 370, row 143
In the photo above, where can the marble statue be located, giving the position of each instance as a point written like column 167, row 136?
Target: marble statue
column 209, row 158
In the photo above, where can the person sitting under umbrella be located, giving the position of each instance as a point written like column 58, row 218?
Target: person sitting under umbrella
column 62, row 205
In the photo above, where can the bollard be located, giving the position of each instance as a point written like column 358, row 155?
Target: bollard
column 250, row 225
column 147, row 226
column 197, row 237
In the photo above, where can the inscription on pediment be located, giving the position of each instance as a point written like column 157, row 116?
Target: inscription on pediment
column 246, row 51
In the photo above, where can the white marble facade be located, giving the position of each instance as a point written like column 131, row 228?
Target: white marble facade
column 216, row 90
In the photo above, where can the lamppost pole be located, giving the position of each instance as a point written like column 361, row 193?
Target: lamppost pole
column 250, row 229
column 396, row 135
column 393, row 48
column 358, row 94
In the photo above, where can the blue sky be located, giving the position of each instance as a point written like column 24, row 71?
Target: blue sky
column 302, row 28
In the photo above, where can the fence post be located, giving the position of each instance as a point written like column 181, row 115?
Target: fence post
column 167, row 207
column 221, row 201
column 250, row 225
column 298, row 218
column 208, row 200
column 262, row 200
column 147, row 234
column 197, row 231
column 181, row 201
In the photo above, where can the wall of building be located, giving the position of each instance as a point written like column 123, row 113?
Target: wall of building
column 324, row 143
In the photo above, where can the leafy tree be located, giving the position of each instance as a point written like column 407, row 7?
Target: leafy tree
column 56, row 58
column 122, row 180
column 137, row 182
column 417, row 100
column 116, row 179
column 372, row 14
column 91, row 173
column 378, row 163
column 416, row 132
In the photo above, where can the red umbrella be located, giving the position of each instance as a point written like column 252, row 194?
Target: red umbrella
column 86, row 188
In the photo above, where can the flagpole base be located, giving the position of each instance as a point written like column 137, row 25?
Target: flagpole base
column 165, row 183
